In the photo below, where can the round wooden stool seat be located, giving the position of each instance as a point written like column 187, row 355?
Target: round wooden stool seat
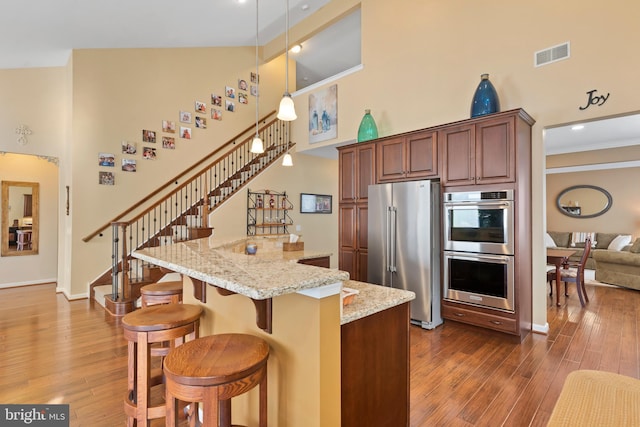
column 153, row 331
column 161, row 293
column 212, row 370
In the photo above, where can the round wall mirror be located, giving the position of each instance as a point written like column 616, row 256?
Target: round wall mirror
column 584, row 201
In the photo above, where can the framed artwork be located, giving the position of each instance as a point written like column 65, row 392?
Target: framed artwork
column 242, row 98
column 148, row 153
column 129, row 147
column 106, row 159
column 254, row 90
column 230, row 92
column 185, row 117
column 148, row 136
column 129, row 165
column 106, row 178
column 200, row 107
column 230, row 106
column 168, row 126
column 323, row 114
column 216, row 114
column 315, row 203
column 242, row 84
column 201, row 122
column 216, row 100
column 255, row 78
column 185, row 132
column 169, row 142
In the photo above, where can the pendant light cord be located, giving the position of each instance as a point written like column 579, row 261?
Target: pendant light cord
column 286, row 47
column 257, row 78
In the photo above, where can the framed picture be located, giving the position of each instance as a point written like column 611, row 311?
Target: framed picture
column 129, row 165
column 200, row 107
column 129, row 147
column 106, row 159
column 169, row 142
column 323, row 114
column 106, row 178
column 168, row 126
column 315, row 203
column 185, row 117
column 148, row 135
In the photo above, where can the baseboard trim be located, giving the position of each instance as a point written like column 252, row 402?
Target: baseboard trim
column 28, row 283
column 540, row 329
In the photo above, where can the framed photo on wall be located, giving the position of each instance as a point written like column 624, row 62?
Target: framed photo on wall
column 315, row 203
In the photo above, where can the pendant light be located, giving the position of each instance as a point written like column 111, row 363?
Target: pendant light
column 257, row 147
column 287, row 110
column 287, row 160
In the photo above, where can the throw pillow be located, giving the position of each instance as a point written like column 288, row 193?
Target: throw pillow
column 561, row 238
column 635, row 248
column 605, row 239
column 548, row 241
column 619, row 242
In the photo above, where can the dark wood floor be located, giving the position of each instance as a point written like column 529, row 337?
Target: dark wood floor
column 56, row 351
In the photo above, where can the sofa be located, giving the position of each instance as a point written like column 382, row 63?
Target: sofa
column 615, row 267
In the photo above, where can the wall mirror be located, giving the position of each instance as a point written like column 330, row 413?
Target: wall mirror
column 584, row 201
column 20, row 218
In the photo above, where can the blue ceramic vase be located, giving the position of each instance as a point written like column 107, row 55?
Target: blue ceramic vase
column 368, row 129
column 485, row 100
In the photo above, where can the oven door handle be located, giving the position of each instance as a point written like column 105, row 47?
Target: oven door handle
column 476, row 205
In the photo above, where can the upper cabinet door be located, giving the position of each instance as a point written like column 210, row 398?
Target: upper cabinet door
column 408, row 157
column 391, row 160
column 357, row 172
column 458, row 155
column 495, row 151
column 422, row 155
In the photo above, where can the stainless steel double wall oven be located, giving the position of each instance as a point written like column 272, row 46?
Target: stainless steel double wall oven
column 479, row 248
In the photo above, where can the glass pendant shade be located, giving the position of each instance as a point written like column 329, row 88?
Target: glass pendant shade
column 485, row 100
column 368, row 129
column 257, row 146
column 287, row 110
column 287, row 160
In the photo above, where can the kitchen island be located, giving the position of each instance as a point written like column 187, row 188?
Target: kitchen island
column 306, row 333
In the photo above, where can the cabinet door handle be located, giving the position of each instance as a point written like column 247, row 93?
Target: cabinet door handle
column 495, row 322
column 459, row 314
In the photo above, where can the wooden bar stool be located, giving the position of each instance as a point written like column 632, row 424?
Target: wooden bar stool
column 161, row 293
column 147, row 330
column 212, row 370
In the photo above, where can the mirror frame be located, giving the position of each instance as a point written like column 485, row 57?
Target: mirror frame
column 593, row 187
column 35, row 212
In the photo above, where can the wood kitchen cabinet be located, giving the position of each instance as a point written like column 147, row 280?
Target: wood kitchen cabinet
column 408, row 157
column 357, row 172
column 479, row 153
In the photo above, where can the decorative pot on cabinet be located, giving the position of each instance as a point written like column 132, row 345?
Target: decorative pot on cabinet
column 485, row 100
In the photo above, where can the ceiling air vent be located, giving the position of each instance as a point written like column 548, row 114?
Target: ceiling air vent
column 552, row 54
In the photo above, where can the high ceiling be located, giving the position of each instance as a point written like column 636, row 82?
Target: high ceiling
column 42, row 33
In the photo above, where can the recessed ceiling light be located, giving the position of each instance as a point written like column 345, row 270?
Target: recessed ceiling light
column 577, row 127
column 295, row 49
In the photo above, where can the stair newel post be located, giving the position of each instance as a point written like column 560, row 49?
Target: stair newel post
column 206, row 203
column 125, row 262
column 114, row 260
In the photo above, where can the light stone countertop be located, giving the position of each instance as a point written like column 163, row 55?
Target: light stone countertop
column 372, row 299
column 222, row 262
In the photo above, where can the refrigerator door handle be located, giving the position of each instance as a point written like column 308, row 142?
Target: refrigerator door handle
column 387, row 254
column 392, row 245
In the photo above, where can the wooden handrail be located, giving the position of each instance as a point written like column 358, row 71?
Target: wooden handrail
column 182, row 174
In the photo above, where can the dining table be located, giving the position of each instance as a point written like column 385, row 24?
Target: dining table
column 559, row 258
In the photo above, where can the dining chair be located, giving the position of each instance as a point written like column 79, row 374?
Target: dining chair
column 574, row 273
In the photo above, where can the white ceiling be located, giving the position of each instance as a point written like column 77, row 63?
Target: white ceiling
column 42, row 33
column 597, row 134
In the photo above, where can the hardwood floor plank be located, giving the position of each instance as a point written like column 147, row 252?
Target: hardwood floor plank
column 60, row 351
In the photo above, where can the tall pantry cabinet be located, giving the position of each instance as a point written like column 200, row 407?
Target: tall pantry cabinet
column 357, row 172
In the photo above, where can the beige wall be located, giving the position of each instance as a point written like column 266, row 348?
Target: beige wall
column 422, row 61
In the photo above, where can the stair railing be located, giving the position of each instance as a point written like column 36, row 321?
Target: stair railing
column 187, row 207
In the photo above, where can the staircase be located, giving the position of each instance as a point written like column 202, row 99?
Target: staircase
column 181, row 211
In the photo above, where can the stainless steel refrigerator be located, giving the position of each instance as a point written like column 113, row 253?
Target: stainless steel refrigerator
column 404, row 244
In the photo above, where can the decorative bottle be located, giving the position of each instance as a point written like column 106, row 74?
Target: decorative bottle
column 485, row 100
column 368, row 129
